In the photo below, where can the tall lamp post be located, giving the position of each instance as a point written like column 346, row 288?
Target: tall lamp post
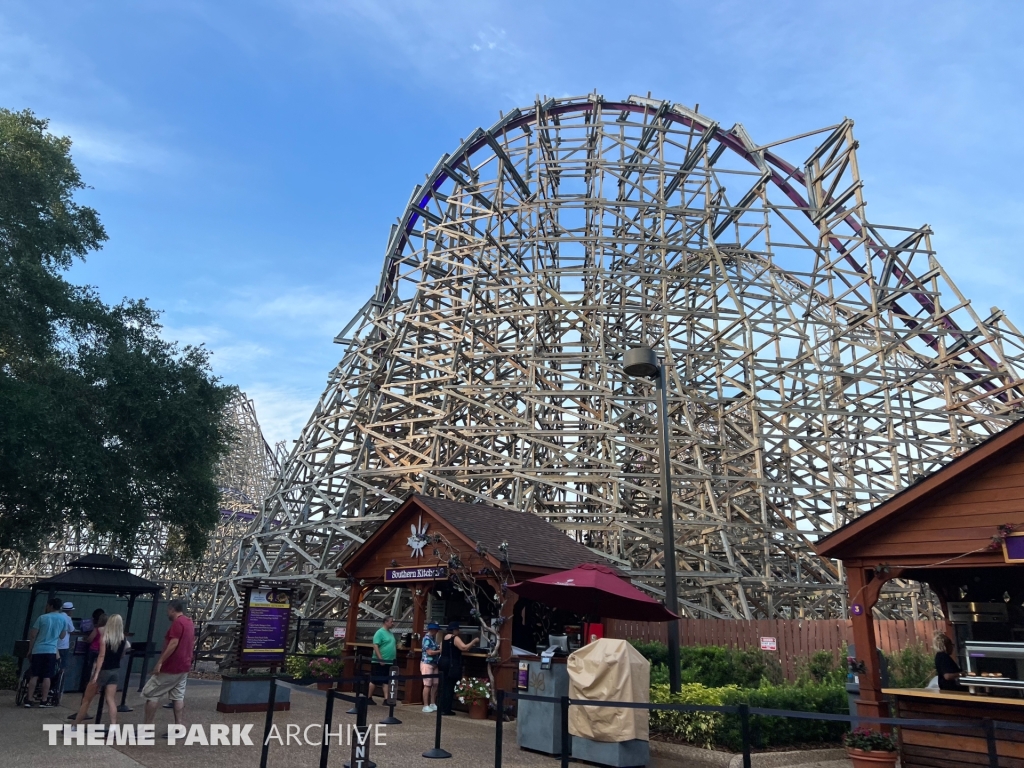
column 643, row 362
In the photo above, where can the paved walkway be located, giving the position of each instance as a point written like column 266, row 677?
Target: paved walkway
column 471, row 742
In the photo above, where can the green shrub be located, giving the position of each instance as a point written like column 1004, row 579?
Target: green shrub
column 822, row 668
column 786, row 731
column 911, row 667
column 699, row 728
column 707, row 729
column 656, row 653
column 8, row 673
column 713, row 666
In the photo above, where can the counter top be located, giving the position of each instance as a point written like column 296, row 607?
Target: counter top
column 934, row 693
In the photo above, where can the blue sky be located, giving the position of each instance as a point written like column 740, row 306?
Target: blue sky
column 248, row 158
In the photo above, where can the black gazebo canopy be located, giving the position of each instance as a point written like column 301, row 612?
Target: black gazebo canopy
column 104, row 574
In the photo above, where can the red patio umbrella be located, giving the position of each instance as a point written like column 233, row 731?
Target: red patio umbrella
column 595, row 590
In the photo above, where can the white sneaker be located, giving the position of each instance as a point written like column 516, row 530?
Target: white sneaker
column 433, row 707
column 427, row 708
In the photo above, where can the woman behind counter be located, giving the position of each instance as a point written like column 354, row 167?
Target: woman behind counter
column 452, row 647
column 945, row 665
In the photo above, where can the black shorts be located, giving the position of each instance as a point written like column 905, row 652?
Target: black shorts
column 380, row 671
column 43, row 665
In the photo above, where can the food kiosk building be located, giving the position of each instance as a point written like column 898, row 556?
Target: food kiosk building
column 411, row 551
column 961, row 531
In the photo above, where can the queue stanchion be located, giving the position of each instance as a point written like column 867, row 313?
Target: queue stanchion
column 744, row 733
column 566, row 745
column 392, row 699
column 268, row 724
column 498, row 729
column 361, row 738
column 358, row 689
column 123, row 707
column 325, row 747
column 437, row 753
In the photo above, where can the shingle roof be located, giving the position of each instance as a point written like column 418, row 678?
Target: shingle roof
column 107, row 580
column 531, row 539
column 96, row 560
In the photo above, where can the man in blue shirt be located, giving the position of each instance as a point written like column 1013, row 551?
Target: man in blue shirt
column 43, row 638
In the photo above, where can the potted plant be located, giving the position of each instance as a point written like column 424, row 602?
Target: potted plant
column 475, row 693
column 325, row 669
column 870, row 749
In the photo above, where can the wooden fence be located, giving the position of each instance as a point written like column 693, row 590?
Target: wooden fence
column 795, row 639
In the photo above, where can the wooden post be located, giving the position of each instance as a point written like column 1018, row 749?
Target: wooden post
column 864, row 586
column 355, row 595
column 414, row 688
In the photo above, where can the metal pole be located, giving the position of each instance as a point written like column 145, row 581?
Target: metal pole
column 745, row 733
column 437, row 752
column 325, row 747
column 268, row 724
column 149, row 638
column 990, row 739
column 564, row 730
column 668, row 534
column 498, row 729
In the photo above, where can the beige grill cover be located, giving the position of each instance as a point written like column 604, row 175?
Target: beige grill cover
column 609, row 670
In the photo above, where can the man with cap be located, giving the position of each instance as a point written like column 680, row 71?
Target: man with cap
column 428, row 666
column 64, row 644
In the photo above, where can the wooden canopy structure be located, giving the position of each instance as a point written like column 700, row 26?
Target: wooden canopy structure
column 499, row 546
column 948, row 530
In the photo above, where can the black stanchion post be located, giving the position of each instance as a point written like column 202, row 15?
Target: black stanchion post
column 392, row 699
column 437, row 752
column 325, row 747
column 498, row 730
column 268, row 723
column 357, row 669
column 745, row 733
column 361, row 739
column 990, row 737
column 122, row 707
column 565, row 731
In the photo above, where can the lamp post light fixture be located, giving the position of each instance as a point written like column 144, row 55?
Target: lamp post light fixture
column 642, row 362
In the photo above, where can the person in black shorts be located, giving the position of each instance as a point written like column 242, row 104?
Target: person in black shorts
column 47, row 630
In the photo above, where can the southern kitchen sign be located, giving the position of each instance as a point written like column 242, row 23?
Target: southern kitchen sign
column 416, row 573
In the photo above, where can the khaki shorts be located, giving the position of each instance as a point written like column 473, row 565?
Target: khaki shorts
column 428, row 669
column 158, row 685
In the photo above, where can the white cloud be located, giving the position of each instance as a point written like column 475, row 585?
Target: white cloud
column 282, row 411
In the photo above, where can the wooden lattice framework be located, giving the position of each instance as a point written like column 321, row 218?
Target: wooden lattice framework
column 818, row 362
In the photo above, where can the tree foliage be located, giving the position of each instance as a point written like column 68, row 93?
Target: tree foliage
column 103, row 424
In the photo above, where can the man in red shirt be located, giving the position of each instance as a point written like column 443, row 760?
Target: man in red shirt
column 171, row 669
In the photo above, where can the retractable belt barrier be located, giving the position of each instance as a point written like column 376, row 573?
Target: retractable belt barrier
column 987, row 726
column 361, row 743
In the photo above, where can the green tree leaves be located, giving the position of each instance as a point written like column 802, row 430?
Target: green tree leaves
column 104, row 426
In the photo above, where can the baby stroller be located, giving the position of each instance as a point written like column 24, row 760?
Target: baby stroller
column 56, row 682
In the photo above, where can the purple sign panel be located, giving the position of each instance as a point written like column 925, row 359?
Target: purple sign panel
column 1013, row 548
column 416, row 573
column 267, row 614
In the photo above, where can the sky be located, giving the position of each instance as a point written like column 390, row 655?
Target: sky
column 248, row 158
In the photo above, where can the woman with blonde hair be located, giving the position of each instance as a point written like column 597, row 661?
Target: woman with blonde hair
column 106, row 670
column 945, row 665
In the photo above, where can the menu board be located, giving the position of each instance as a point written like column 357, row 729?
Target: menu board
column 265, row 626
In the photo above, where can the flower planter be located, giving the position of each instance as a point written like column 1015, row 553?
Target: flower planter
column 477, row 710
column 324, row 686
column 873, row 759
